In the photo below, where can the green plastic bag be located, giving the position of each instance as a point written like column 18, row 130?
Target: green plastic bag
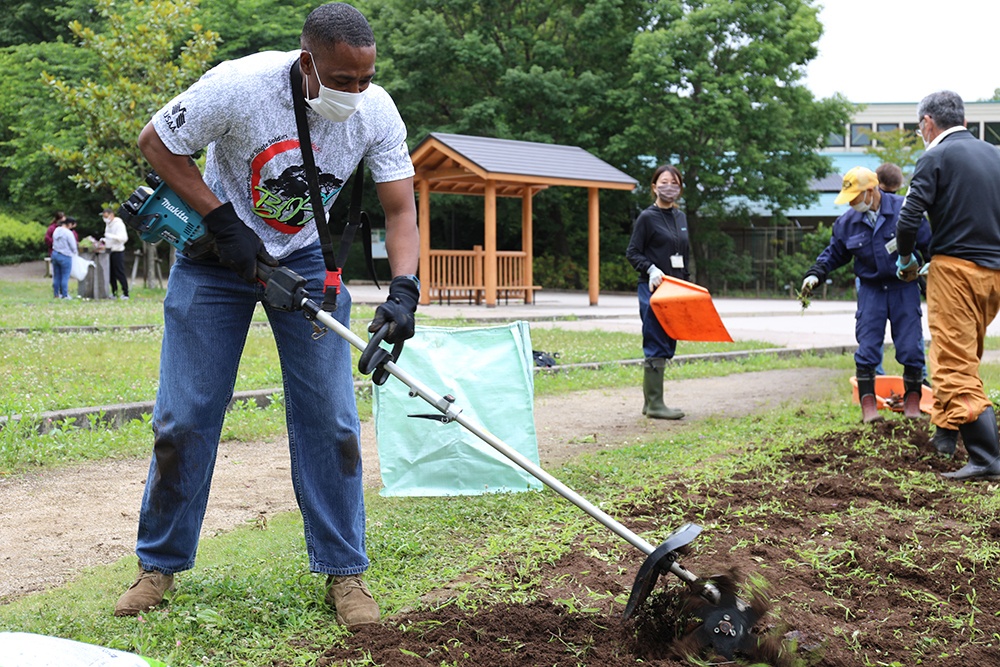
column 23, row 649
column 489, row 371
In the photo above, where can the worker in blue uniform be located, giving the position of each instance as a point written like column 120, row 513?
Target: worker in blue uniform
column 867, row 234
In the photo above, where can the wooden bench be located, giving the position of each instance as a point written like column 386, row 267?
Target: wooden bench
column 471, row 293
column 521, row 292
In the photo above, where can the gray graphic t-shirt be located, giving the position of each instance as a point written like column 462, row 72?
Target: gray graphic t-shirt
column 242, row 111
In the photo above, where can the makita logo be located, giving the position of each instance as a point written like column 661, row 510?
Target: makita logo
column 176, row 210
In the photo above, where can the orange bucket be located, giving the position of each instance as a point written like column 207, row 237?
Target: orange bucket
column 685, row 311
column 889, row 392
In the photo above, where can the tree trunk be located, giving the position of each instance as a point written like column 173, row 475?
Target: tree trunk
column 152, row 277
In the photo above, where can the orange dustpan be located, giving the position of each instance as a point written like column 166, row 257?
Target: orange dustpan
column 685, row 311
column 889, row 392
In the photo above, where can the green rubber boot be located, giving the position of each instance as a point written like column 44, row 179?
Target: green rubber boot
column 652, row 391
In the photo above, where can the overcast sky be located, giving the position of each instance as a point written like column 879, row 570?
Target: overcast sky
column 901, row 50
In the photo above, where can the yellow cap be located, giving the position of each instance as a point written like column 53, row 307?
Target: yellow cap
column 856, row 181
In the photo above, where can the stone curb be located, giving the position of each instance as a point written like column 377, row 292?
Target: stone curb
column 118, row 415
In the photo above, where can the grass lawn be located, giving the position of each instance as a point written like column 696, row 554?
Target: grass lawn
column 251, row 601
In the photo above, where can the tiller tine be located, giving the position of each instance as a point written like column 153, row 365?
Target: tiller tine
column 662, row 560
column 726, row 620
column 726, row 623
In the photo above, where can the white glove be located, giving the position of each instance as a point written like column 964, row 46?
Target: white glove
column 809, row 283
column 655, row 277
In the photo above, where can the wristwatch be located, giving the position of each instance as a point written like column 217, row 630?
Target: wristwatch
column 411, row 277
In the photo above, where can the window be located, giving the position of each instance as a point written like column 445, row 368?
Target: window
column 974, row 128
column 861, row 135
column 911, row 127
column 888, row 127
column 991, row 133
column 835, row 140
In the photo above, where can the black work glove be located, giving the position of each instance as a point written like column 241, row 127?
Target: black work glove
column 397, row 311
column 237, row 245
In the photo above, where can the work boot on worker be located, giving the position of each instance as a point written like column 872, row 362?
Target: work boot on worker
column 866, row 394
column 945, row 440
column 652, row 391
column 145, row 593
column 913, row 391
column 983, row 445
column 353, row 601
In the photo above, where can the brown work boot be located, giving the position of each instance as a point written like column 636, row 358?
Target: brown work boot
column 353, row 601
column 145, row 593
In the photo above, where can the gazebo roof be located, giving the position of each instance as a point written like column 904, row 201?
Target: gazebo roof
column 461, row 164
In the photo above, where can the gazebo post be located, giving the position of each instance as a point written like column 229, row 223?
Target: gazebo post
column 490, row 241
column 424, row 220
column 594, row 246
column 527, row 244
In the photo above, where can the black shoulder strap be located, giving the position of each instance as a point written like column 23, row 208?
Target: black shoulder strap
column 356, row 217
column 315, row 196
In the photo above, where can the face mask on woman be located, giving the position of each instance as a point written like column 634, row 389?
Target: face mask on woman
column 668, row 192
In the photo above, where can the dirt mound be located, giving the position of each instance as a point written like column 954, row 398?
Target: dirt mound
column 851, row 576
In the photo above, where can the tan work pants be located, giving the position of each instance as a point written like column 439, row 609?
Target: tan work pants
column 962, row 300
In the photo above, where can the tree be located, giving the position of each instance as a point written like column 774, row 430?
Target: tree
column 716, row 88
column 901, row 147
column 29, row 118
column 35, row 21
column 148, row 53
column 250, row 26
column 549, row 71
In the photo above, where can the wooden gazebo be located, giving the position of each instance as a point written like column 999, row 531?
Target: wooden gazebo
column 491, row 168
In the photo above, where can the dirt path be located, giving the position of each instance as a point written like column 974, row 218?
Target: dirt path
column 55, row 523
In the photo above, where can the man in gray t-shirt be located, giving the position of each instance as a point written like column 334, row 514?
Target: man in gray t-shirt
column 256, row 202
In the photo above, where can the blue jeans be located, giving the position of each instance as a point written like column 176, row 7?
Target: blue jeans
column 207, row 313
column 655, row 341
column 61, row 267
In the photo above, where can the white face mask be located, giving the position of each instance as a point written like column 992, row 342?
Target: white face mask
column 863, row 205
column 334, row 105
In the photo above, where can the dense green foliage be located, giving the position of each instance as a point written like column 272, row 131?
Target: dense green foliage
column 20, row 241
column 790, row 269
column 146, row 55
column 712, row 85
column 900, row 147
column 716, row 88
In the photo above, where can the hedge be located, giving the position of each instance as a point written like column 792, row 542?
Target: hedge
column 20, row 241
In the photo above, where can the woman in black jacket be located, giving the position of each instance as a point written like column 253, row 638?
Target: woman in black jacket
column 659, row 247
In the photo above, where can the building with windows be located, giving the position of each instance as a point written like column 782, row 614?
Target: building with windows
column 983, row 120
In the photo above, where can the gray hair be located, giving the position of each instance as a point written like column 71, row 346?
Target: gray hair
column 944, row 107
column 336, row 22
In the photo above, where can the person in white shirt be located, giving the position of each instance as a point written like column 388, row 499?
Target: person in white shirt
column 115, row 236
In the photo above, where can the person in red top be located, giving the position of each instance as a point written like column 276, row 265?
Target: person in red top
column 57, row 219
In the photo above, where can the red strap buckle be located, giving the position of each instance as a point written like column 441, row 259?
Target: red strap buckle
column 332, row 280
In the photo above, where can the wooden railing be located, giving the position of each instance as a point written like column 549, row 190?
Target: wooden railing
column 459, row 274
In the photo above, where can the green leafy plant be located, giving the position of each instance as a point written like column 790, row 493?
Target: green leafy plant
column 20, row 241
